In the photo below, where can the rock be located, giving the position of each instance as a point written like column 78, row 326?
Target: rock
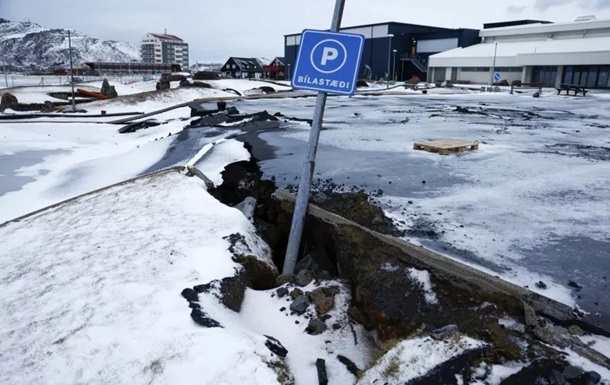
column 576, row 330
column 531, row 319
column 574, row 285
column 258, row 275
column 320, row 198
column 282, row 292
column 296, row 293
column 316, row 327
column 323, row 298
column 444, row 333
column 300, row 304
column 591, row 378
column 231, row 291
column 541, row 285
column 48, row 106
column 105, row 87
column 538, row 372
column 202, row 319
column 161, row 85
column 276, row 347
column 572, row 372
column 308, row 262
column 377, row 220
column 556, row 378
column 8, row 101
column 112, row 93
column 184, row 83
column 304, row 277
column 190, row 295
column 536, row 94
column 350, row 365
column 284, row 279
column 322, row 375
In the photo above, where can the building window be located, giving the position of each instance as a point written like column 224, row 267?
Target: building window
column 604, row 75
column 476, row 69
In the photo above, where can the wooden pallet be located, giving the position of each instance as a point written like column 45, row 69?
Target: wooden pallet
column 445, row 146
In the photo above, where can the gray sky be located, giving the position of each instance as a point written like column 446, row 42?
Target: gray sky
column 216, row 29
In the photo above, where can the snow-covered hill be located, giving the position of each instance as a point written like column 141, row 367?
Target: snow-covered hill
column 25, row 43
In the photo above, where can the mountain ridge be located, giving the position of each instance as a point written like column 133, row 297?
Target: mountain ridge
column 27, row 43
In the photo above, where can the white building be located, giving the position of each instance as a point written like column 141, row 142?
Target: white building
column 550, row 54
column 165, row 49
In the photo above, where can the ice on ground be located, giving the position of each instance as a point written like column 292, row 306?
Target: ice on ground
column 414, row 358
column 243, row 85
column 422, row 278
column 91, row 290
column 214, row 161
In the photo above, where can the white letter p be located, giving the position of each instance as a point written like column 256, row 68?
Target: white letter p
column 329, row 54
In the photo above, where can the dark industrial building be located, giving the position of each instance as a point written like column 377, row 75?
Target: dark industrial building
column 106, row 68
column 403, row 48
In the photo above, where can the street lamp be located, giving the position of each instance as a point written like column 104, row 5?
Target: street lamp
column 289, row 72
column 390, row 36
column 394, row 63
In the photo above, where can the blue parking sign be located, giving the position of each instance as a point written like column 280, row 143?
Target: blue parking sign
column 328, row 62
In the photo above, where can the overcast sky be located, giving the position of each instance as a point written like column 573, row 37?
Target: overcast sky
column 218, row 29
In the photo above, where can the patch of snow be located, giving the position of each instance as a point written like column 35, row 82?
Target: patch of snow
column 422, row 278
column 495, row 374
column 223, row 153
column 511, row 324
column 577, row 360
column 599, row 343
column 389, row 267
column 91, row 290
column 411, row 359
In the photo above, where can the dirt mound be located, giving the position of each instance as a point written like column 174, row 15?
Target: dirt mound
column 357, row 208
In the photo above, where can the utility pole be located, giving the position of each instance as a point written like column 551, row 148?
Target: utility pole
column 71, row 70
column 493, row 68
column 300, row 209
column 5, row 75
column 394, row 69
column 389, row 58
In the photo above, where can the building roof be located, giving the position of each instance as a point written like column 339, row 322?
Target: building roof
column 530, row 29
column 378, row 24
column 513, row 23
column 163, row 36
column 537, row 52
column 251, row 64
column 280, row 59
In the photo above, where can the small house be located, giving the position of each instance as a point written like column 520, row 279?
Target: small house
column 276, row 69
column 242, row 68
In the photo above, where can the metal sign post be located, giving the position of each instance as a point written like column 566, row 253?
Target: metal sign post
column 328, row 62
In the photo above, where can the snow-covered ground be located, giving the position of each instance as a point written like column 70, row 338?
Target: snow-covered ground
column 91, row 289
column 531, row 204
column 91, row 294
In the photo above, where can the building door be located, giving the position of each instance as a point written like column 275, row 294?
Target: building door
column 454, row 74
column 545, row 76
